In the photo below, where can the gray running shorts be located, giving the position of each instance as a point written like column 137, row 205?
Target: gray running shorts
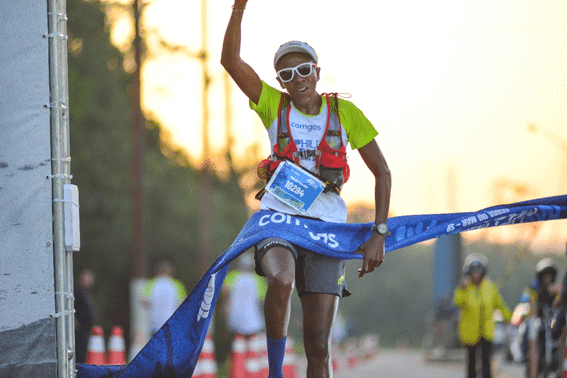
column 314, row 273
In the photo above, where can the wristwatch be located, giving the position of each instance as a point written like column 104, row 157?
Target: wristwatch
column 381, row 228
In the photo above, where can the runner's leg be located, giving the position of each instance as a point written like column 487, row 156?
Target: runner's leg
column 318, row 315
column 278, row 264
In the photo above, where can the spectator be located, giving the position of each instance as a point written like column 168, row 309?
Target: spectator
column 477, row 297
column 84, row 313
column 163, row 294
column 246, row 292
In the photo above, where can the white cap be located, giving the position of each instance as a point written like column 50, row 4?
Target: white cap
column 295, row 46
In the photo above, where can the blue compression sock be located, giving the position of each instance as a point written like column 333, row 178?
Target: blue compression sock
column 276, row 353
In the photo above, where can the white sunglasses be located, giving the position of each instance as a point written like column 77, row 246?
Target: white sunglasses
column 303, row 70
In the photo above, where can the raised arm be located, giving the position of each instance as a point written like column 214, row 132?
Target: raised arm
column 244, row 76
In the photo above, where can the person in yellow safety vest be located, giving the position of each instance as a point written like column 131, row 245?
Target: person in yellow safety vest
column 477, row 297
column 162, row 294
column 245, row 292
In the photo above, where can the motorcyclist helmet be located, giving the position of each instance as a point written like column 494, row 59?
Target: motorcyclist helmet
column 475, row 262
column 546, row 265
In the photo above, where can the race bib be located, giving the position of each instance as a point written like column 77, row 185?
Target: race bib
column 295, row 186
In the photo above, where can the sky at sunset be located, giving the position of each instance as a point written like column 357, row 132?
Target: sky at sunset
column 451, row 86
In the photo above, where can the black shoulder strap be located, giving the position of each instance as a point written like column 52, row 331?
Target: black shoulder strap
column 285, row 102
column 334, row 102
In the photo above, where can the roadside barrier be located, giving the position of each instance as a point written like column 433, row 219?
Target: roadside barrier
column 95, row 350
column 289, row 363
column 238, row 357
column 264, row 366
column 352, row 354
column 335, row 357
column 369, row 346
column 116, row 347
column 253, row 357
column 206, row 364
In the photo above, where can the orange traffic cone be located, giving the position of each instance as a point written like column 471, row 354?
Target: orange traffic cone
column 289, row 362
column 253, row 368
column 116, row 347
column 238, row 358
column 369, row 345
column 206, row 365
column 335, row 354
column 352, row 354
column 95, row 351
column 263, row 358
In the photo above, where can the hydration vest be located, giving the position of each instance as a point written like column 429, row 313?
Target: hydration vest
column 331, row 165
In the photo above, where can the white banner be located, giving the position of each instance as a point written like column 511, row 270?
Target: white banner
column 26, row 237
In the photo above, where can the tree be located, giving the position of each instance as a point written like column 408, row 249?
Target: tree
column 99, row 122
column 100, row 150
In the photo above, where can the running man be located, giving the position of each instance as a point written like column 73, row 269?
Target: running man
column 311, row 130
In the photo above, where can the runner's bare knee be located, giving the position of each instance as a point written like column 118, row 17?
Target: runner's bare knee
column 279, row 267
column 316, row 345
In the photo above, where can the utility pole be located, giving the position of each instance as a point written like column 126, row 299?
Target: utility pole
column 139, row 333
column 206, row 170
column 139, row 258
column 205, row 208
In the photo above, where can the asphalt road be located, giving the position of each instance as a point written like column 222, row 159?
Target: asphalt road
column 412, row 364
